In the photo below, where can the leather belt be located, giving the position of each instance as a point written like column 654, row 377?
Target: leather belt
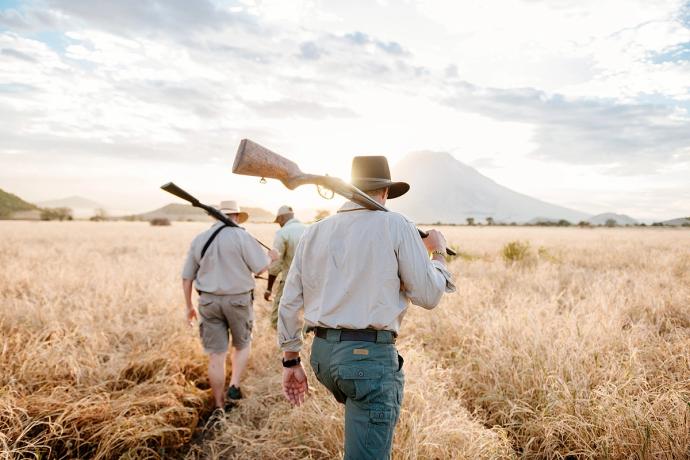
column 357, row 335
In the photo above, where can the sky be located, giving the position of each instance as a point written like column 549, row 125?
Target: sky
column 584, row 104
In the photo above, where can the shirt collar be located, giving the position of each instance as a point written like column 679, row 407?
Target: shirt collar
column 294, row 220
column 350, row 206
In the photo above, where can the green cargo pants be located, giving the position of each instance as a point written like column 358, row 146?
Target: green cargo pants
column 367, row 377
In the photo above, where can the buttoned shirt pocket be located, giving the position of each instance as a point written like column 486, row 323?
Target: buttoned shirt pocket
column 358, row 380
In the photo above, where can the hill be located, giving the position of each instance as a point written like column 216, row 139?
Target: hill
column 185, row 212
column 10, row 204
column 680, row 222
column 447, row 190
column 621, row 219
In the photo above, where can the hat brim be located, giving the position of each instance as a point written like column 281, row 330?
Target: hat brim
column 241, row 216
column 275, row 221
column 395, row 189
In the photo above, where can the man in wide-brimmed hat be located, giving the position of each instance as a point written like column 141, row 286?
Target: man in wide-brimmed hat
column 220, row 264
column 284, row 243
column 353, row 275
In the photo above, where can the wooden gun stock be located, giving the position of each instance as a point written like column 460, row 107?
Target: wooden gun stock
column 253, row 159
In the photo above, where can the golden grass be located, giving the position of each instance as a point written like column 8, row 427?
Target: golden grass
column 582, row 351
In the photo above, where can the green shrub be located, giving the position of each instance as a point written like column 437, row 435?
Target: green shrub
column 160, row 221
column 516, row 251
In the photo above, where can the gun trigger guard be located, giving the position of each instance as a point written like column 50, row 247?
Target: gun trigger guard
column 322, row 192
column 262, row 180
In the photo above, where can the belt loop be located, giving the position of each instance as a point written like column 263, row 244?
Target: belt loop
column 384, row 337
column 333, row 335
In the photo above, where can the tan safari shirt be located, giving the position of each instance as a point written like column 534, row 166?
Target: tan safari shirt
column 348, row 270
column 228, row 264
column 285, row 243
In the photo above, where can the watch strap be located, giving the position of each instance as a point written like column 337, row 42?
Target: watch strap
column 291, row 362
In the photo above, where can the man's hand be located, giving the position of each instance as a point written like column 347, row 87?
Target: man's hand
column 191, row 315
column 435, row 241
column 267, row 295
column 295, row 385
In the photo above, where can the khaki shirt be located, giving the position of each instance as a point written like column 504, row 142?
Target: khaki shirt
column 285, row 243
column 228, row 264
column 348, row 270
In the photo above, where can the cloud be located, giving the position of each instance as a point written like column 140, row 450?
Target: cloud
column 179, row 18
column 309, row 51
column 299, row 108
column 630, row 138
column 17, row 55
column 362, row 39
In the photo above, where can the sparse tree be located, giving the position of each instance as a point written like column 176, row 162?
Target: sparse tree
column 56, row 214
column 99, row 216
column 489, row 221
column 470, row 221
column 611, row 223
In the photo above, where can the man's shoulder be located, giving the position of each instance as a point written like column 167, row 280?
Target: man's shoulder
column 396, row 218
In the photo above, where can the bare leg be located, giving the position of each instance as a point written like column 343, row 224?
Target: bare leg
column 239, row 364
column 216, row 376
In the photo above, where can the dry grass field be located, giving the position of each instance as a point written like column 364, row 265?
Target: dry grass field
column 579, row 350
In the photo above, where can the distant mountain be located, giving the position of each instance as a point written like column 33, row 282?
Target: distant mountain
column 446, row 190
column 11, row 204
column 185, row 212
column 681, row 221
column 621, row 219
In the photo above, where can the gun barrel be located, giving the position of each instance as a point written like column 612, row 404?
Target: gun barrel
column 213, row 212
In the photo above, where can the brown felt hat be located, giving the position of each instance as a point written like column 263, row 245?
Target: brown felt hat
column 372, row 173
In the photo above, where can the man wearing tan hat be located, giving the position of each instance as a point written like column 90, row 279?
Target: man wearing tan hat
column 220, row 264
column 284, row 244
column 353, row 276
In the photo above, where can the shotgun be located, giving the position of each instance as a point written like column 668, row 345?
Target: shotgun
column 210, row 210
column 254, row 160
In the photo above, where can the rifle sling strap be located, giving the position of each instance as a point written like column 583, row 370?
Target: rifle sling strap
column 210, row 240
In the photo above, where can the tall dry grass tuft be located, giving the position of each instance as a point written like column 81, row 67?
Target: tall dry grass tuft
column 580, row 353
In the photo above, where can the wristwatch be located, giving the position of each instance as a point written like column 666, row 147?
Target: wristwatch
column 437, row 252
column 291, row 362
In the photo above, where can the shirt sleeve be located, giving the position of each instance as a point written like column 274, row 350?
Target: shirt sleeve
column 253, row 254
column 279, row 245
column 191, row 265
column 425, row 280
column 291, row 305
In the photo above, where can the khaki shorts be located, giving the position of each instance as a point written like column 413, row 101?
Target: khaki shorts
column 220, row 313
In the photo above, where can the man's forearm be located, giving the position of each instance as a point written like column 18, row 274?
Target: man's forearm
column 187, row 286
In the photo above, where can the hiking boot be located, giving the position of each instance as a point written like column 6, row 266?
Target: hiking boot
column 215, row 420
column 234, row 393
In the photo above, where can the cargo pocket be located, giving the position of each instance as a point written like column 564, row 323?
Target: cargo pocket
column 248, row 331
column 380, row 429
column 358, row 380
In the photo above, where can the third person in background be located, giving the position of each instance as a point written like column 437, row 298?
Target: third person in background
column 284, row 244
